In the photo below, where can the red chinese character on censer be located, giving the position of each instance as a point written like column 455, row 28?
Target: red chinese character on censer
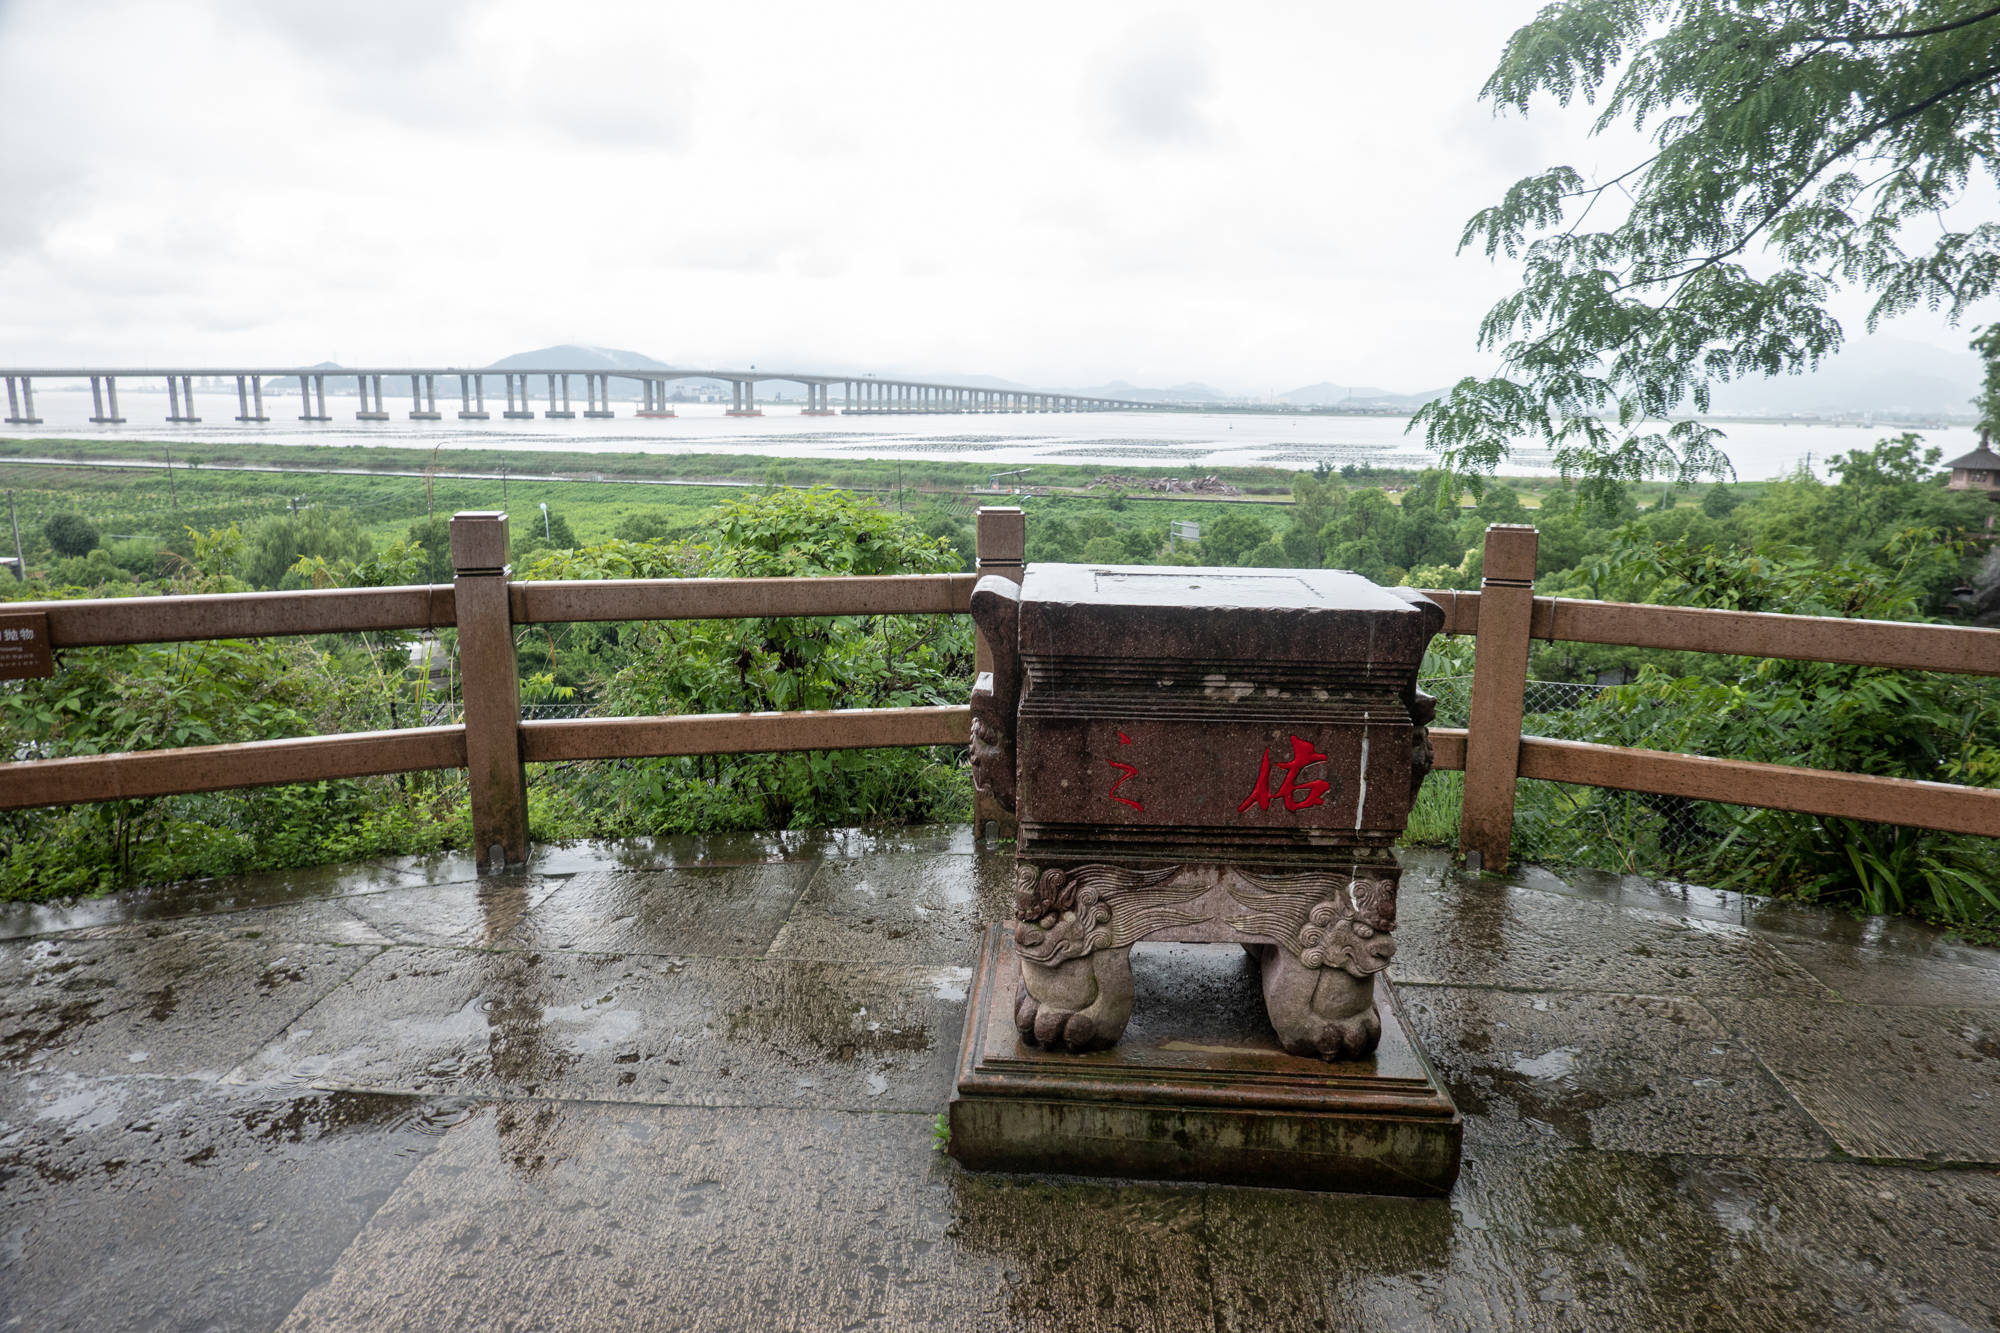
column 1125, row 774
column 1296, row 795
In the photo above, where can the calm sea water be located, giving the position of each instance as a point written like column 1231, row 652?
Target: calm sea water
column 1195, row 442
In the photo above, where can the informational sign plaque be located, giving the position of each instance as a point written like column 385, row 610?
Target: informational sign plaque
column 24, row 645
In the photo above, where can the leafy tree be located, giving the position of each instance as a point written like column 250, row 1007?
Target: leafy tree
column 1987, row 344
column 70, row 534
column 1799, row 132
column 1720, row 501
column 314, row 533
column 1230, row 536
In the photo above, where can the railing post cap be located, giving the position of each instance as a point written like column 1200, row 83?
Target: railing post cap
column 1003, row 535
column 1510, row 553
column 479, row 541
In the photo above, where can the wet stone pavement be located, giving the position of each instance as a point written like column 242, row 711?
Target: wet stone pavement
column 691, row 1085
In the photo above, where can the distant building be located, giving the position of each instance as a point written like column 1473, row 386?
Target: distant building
column 1977, row 471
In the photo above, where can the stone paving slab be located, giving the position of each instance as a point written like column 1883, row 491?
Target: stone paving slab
column 181, row 1004
column 621, row 1027
column 701, row 911
column 1916, row 1084
column 465, row 913
column 1594, row 1241
column 1919, row 968
column 131, row 1203
column 643, row 1217
column 914, row 908
column 1608, row 1072
column 1473, row 934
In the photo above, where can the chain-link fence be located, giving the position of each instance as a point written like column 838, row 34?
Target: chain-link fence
column 1560, row 823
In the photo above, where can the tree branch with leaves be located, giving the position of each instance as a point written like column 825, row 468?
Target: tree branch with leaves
column 1800, row 146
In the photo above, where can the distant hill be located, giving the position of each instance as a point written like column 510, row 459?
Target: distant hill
column 574, row 356
column 1178, row 393
column 1881, row 376
column 1326, row 394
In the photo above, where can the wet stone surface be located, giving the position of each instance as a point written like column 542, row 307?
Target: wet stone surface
column 1895, row 1082
column 1610, row 1072
column 901, row 909
column 1472, row 933
column 168, row 1203
column 690, row 1083
column 179, row 1004
column 623, row 1027
column 707, row 912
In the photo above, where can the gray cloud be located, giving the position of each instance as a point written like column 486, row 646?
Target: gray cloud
column 1151, row 92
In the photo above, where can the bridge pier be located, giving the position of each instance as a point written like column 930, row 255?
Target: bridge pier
column 244, row 385
column 597, row 392
column 562, row 413
column 526, row 411
column 424, row 398
column 468, row 386
column 101, row 388
column 376, row 413
column 307, row 383
column 176, row 412
column 653, row 394
column 819, row 400
column 744, row 399
column 21, row 402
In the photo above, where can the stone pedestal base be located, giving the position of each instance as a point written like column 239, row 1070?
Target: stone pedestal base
column 427, row 416
column 518, row 416
column 560, row 416
column 653, row 415
column 359, row 416
column 473, row 416
column 1198, row 1089
column 600, row 416
column 739, row 412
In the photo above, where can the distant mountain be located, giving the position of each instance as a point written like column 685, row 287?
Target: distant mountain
column 1879, row 376
column 1179, row 393
column 1326, row 394
column 573, row 356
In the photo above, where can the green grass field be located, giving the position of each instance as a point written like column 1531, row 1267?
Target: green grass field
column 595, row 492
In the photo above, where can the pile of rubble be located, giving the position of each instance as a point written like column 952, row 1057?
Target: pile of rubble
column 1196, row 485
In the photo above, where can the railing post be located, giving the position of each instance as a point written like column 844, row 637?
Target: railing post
column 1499, row 687
column 1002, row 545
column 491, row 685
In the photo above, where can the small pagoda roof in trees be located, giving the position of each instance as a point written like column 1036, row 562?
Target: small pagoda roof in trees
column 1977, row 471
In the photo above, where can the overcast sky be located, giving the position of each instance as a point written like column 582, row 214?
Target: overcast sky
column 1257, row 196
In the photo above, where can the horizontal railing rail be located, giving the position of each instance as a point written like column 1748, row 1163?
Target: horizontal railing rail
column 197, row 768
column 541, row 602
column 1503, row 618
column 106, row 622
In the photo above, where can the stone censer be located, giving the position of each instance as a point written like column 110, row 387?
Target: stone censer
column 1201, row 756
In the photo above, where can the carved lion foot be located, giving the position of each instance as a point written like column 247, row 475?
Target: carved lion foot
column 1318, row 1011
column 1079, row 1005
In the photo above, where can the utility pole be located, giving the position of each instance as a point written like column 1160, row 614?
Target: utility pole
column 20, row 565
column 172, row 493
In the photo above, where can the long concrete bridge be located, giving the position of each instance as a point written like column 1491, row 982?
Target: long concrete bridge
column 864, row 394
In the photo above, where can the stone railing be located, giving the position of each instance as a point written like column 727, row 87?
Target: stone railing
column 493, row 742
